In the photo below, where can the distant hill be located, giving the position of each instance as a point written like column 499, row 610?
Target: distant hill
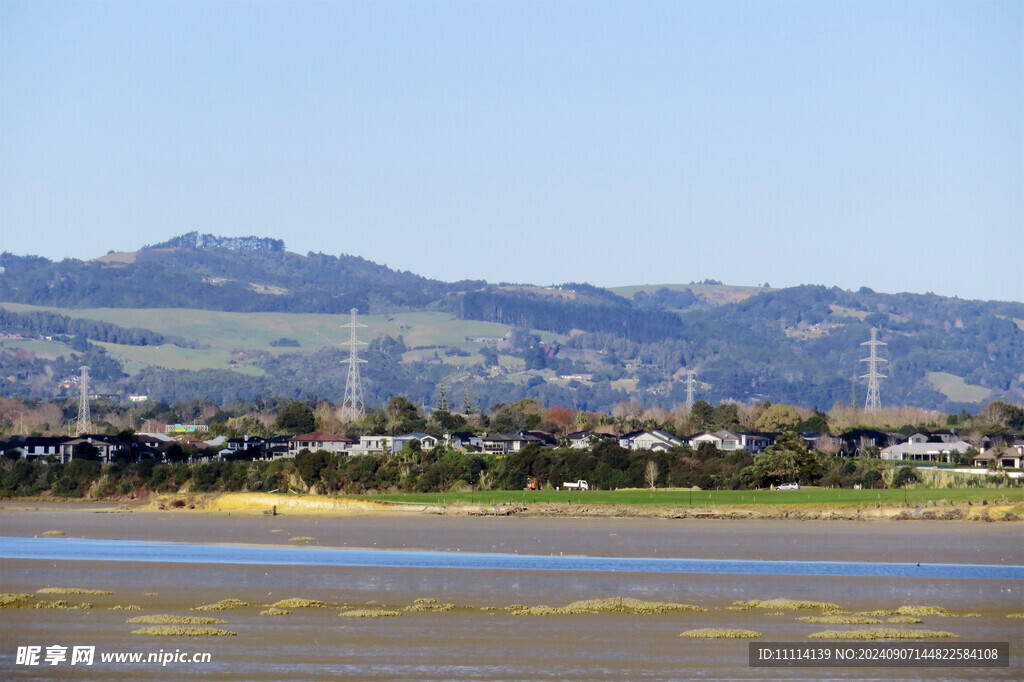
column 201, row 316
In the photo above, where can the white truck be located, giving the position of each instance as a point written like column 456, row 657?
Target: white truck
column 576, row 485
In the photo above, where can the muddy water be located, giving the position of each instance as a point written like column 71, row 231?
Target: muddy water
column 474, row 644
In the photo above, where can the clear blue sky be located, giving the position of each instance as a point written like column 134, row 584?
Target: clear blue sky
column 853, row 143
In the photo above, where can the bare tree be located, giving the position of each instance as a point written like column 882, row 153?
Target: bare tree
column 830, row 445
column 651, row 475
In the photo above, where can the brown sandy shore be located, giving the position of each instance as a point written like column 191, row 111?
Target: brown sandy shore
column 340, row 506
column 477, row 638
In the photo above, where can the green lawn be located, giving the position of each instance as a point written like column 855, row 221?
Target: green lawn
column 713, row 498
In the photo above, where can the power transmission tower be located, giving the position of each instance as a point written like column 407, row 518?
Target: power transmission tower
column 352, row 407
column 873, row 403
column 689, row 391
column 84, row 417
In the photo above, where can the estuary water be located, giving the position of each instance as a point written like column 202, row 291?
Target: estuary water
column 71, row 549
column 172, row 563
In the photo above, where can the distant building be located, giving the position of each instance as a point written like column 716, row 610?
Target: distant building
column 319, row 440
column 925, row 452
column 649, row 440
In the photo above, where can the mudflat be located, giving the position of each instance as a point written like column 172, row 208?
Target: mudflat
column 476, row 637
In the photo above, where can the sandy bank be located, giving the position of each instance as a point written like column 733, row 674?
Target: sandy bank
column 340, row 506
column 267, row 503
column 958, row 512
column 300, row 505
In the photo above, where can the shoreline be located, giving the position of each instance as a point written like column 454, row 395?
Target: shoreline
column 319, row 505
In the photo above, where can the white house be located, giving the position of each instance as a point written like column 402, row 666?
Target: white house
column 650, row 440
column 729, row 441
column 427, row 442
column 925, row 452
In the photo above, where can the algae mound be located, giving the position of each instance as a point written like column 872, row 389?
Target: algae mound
column 370, row 613
column 922, row 611
column 53, row 532
column 883, row 633
column 607, row 605
column 125, row 607
column 842, row 619
column 787, row 605
column 224, row 605
column 165, row 619
column 71, row 590
column 183, row 631
column 628, row 605
column 273, row 611
column 429, row 605
column 721, row 633
column 13, row 599
column 298, row 603
column 905, row 620
column 60, row 603
column 302, row 538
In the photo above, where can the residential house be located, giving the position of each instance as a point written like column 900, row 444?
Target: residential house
column 373, row 445
column 543, row 437
column 583, row 440
column 854, row 443
column 427, row 442
column 319, row 440
column 728, row 441
column 500, row 443
column 73, row 448
column 925, row 452
column 1008, row 457
column 246, row 442
column 462, row 439
column 650, row 440
column 32, row 447
column 984, row 459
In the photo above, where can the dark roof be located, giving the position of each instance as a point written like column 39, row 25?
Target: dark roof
column 44, row 441
column 321, row 436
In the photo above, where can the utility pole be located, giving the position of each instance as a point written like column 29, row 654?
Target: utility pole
column 21, row 421
column 84, row 416
column 689, row 391
column 352, row 407
column 873, row 402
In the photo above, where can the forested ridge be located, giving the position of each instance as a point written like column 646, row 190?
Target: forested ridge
column 801, row 344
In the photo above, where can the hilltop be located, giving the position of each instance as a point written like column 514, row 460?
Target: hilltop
column 200, row 316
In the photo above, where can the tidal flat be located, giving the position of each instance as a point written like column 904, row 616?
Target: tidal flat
column 479, row 637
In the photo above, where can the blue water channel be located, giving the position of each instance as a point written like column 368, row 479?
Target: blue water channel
column 180, row 552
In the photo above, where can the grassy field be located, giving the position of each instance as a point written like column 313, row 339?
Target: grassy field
column 955, row 388
column 41, row 349
column 716, row 294
column 716, row 498
column 221, row 333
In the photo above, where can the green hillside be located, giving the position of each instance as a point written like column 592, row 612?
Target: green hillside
column 233, row 340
